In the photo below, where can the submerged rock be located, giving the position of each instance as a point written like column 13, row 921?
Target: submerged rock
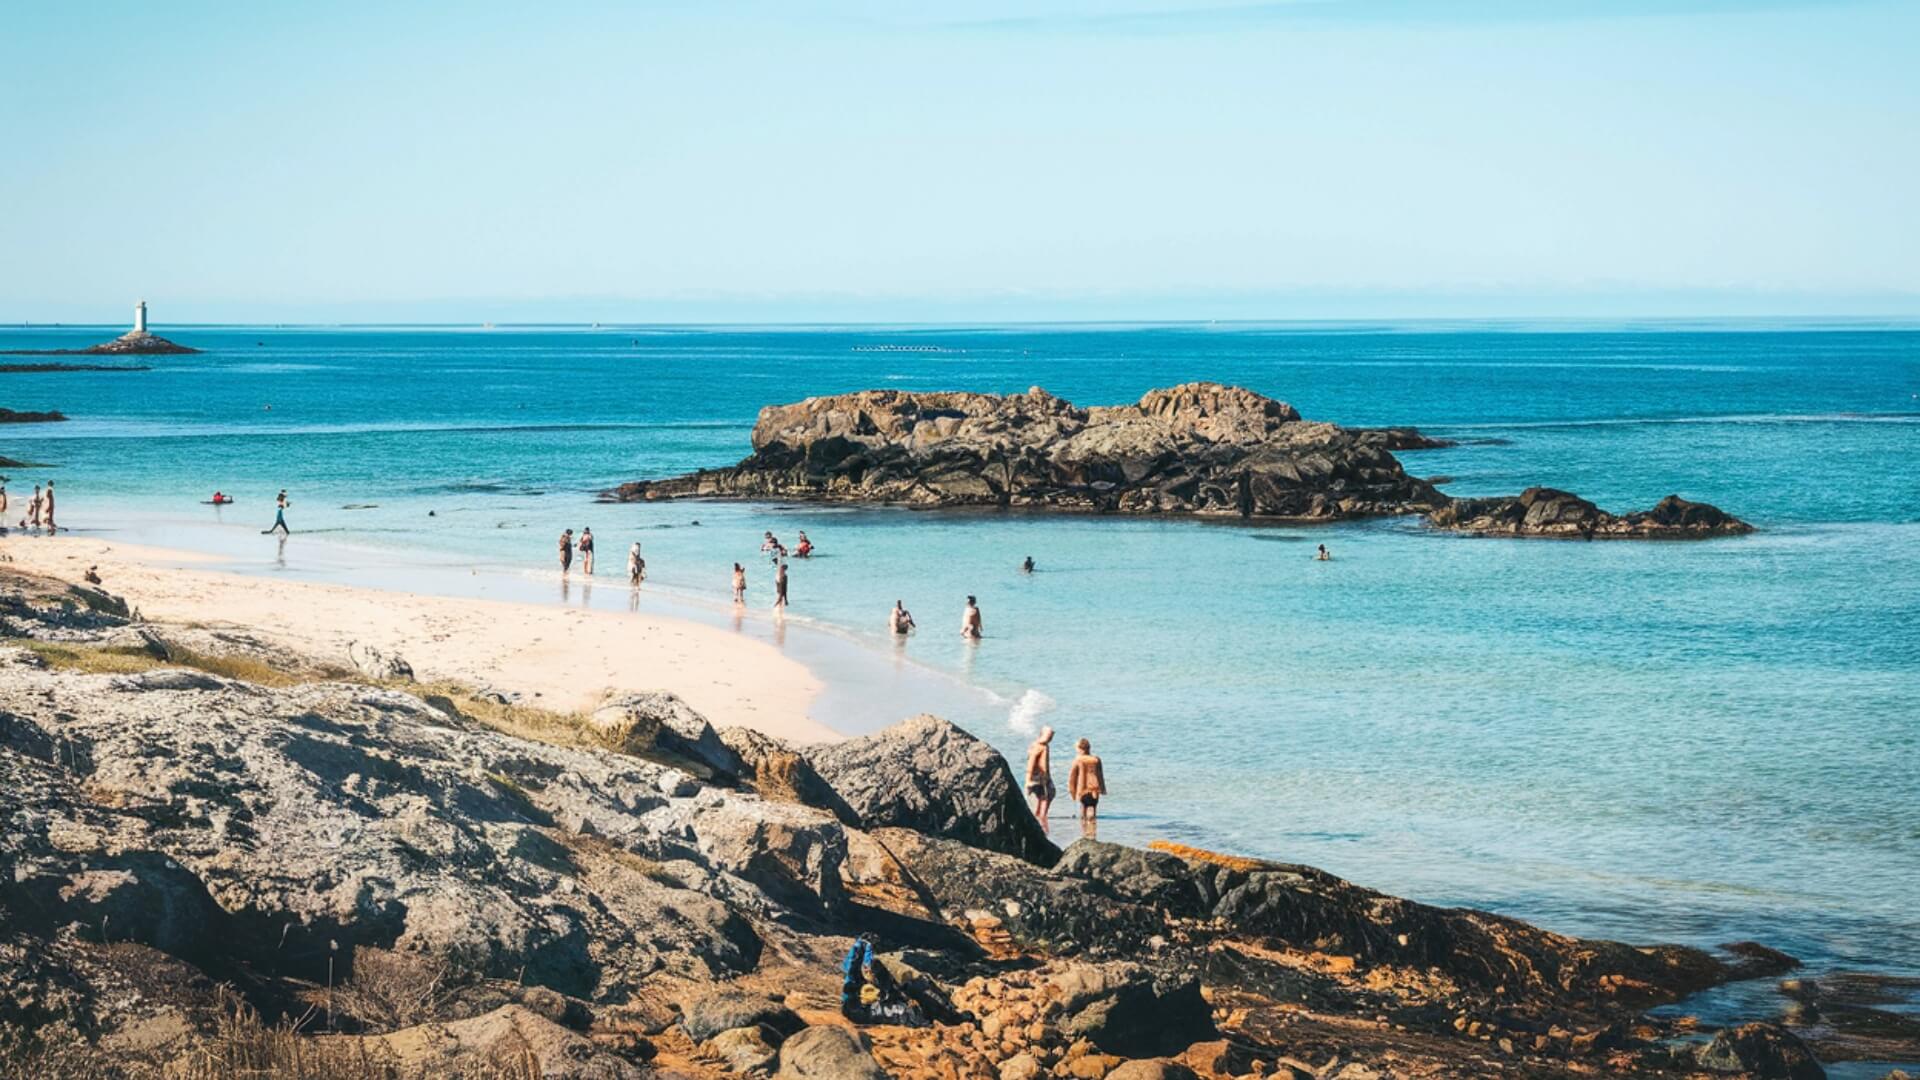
column 1762, row 1051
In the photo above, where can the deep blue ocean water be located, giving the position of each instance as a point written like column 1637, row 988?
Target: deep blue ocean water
column 1692, row 742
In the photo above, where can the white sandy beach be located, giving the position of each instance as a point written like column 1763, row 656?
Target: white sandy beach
column 560, row 658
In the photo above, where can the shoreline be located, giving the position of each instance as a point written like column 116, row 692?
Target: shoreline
column 567, row 659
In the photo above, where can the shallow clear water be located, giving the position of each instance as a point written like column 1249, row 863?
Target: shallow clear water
column 1693, row 742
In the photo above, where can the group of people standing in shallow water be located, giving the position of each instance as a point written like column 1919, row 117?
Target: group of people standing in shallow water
column 39, row 513
column 636, row 563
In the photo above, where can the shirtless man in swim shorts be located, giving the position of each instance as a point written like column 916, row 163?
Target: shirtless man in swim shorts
column 899, row 620
column 1086, row 782
column 1040, row 776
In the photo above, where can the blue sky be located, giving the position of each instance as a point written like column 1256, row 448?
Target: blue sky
column 1051, row 159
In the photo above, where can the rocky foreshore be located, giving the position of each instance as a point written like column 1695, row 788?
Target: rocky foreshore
column 1200, row 448
column 223, row 859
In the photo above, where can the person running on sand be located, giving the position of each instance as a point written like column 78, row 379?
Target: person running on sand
column 46, row 508
column 566, row 551
column 586, row 550
column 1323, row 555
column 739, row 584
column 971, row 627
column 780, row 588
column 280, row 505
column 1040, row 775
column 1086, row 782
column 899, row 620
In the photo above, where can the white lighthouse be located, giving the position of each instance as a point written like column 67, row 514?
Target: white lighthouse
column 140, row 317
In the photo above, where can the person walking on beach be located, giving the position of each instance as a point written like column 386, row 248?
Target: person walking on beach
column 739, row 584
column 280, row 505
column 1040, row 776
column 46, row 509
column 780, row 588
column 1086, row 782
column 586, row 551
column 971, row 626
column 899, row 620
column 636, row 566
column 33, row 510
column 566, row 551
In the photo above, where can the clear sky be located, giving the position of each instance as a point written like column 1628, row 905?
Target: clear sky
column 1002, row 159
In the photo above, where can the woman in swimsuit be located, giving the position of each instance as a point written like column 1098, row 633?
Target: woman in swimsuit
column 586, row 550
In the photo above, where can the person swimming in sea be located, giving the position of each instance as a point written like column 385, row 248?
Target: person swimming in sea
column 566, row 551
column 971, row 626
column 899, row 620
column 1323, row 555
column 280, row 504
column 739, row 584
column 804, row 548
column 1086, row 783
column 1027, row 567
column 636, row 566
column 1040, row 776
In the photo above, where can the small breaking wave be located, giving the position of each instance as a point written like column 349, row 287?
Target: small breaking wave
column 1026, row 712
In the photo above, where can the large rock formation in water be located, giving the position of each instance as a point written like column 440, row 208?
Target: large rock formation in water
column 1199, row 448
column 1194, row 449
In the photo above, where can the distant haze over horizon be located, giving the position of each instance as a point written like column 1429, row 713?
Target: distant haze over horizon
column 1052, row 160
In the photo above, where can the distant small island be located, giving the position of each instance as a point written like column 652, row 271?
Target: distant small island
column 135, row 342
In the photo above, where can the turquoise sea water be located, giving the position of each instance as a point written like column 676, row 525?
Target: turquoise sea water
column 1692, row 742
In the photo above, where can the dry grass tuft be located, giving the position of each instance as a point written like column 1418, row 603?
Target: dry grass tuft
column 392, row 990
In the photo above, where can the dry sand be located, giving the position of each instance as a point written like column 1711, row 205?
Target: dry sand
column 559, row 658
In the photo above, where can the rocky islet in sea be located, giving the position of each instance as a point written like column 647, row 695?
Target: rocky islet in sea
column 1200, row 448
column 200, row 825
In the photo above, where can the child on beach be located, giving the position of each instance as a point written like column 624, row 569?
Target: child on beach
column 1086, row 782
column 739, row 584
